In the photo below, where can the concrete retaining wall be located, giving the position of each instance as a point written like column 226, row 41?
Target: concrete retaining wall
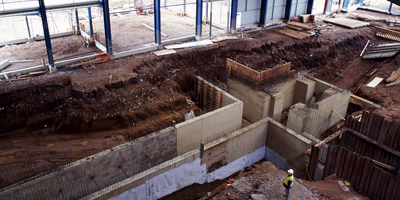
column 102, row 168
column 210, row 126
column 255, row 103
column 287, row 144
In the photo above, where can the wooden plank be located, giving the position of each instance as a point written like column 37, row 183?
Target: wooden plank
column 342, row 162
column 393, row 76
column 330, row 161
column 294, row 34
column 360, row 99
column 359, row 145
column 375, row 82
column 346, row 165
column 391, row 188
column 377, row 127
column 339, row 161
column 274, row 74
column 164, row 52
column 364, row 122
column 370, row 150
column 384, row 131
column 384, row 185
column 345, row 22
column 4, row 64
column 394, row 159
column 352, row 141
column 313, row 164
column 300, row 25
column 352, row 163
column 378, row 154
column 374, row 183
column 392, row 133
column 397, row 142
column 371, row 123
column 358, row 170
column 396, row 82
column 348, row 122
column 243, row 73
column 366, row 175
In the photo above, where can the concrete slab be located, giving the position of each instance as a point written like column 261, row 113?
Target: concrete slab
column 4, row 64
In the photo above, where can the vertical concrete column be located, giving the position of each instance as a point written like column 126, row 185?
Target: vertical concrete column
column 276, row 106
column 304, row 91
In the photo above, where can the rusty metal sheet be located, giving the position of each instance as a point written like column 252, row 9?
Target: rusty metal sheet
column 242, row 73
column 275, row 74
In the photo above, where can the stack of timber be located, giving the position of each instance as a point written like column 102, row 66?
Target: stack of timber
column 383, row 51
column 297, row 30
column 387, row 33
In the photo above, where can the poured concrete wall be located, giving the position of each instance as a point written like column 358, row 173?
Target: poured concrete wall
column 289, row 145
column 255, row 103
column 316, row 120
column 210, row 126
column 103, row 167
column 235, row 145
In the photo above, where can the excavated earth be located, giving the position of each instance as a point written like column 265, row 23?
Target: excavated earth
column 85, row 111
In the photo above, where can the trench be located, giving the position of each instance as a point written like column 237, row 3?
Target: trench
column 79, row 114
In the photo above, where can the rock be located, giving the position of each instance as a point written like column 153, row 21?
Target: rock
column 241, row 185
column 263, row 187
column 259, row 197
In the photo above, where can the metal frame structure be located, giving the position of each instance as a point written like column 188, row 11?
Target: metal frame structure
column 104, row 4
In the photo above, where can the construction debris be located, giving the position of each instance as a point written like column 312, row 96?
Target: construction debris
column 298, row 26
column 387, row 33
column 190, row 44
column 348, row 23
column 375, row 82
column 367, row 18
column 164, row 52
column 364, row 48
column 100, row 58
column 4, row 64
column 396, row 82
column 295, row 34
column 382, row 51
column 393, row 76
column 221, row 39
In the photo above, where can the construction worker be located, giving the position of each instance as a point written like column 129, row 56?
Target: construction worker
column 288, row 183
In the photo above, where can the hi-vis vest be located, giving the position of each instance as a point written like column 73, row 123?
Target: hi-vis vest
column 289, row 177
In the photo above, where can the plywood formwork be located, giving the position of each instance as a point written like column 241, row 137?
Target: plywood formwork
column 256, row 79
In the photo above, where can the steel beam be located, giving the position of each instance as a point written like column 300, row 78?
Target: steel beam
column 360, row 2
column 77, row 19
column 42, row 10
column 310, row 6
column 199, row 16
column 27, row 26
column 390, row 8
column 263, row 13
column 210, row 18
column 157, row 21
column 234, row 15
column 328, row 6
column 345, row 5
column 107, row 26
column 90, row 21
column 288, row 9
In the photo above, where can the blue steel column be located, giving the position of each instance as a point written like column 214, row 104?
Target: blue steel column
column 234, row 14
column 263, row 13
column 42, row 10
column 199, row 16
column 157, row 21
column 90, row 20
column 77, row 19
column 390, row 8
column 310, row 6
column 345, row 4
column 107, row 26
column 360, row 2
column 288, row 9
column 328, row 6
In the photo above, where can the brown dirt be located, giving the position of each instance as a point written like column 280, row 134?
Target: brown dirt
column 63, row 110
column 267, row 179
